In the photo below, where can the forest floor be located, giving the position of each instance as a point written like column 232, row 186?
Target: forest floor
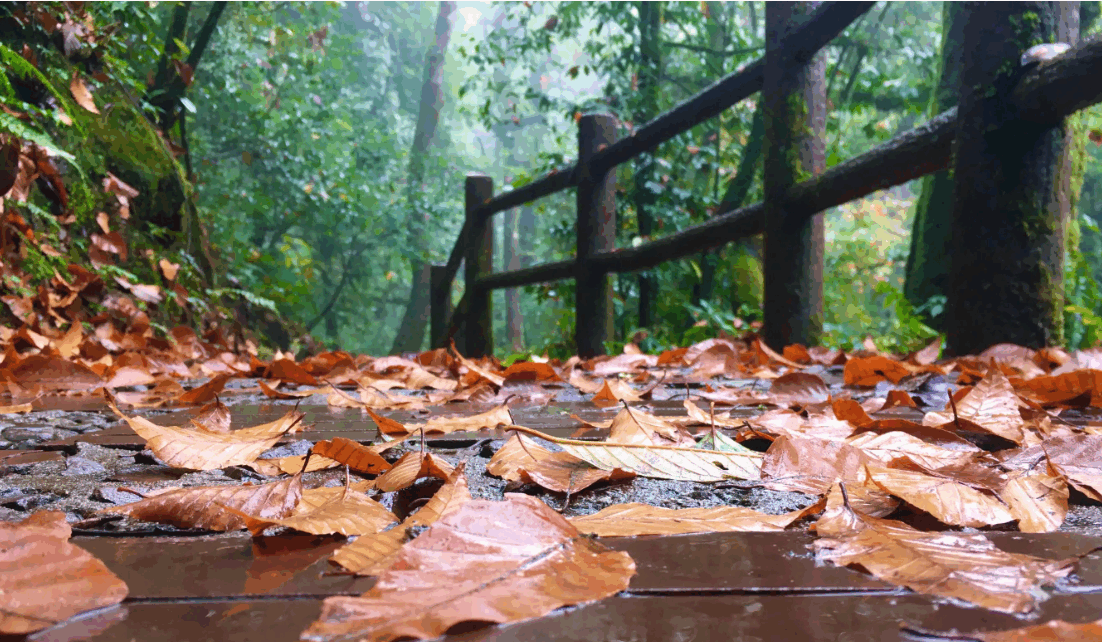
column 729, row 488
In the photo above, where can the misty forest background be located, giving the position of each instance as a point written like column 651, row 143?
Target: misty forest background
column 322, row 150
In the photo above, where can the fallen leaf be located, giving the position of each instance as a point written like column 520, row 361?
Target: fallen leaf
column 869, row 371
column 205, row 450
column 950, row 501
column 1079, row 460
column 486, row 561
column 798, row 389
column 638, row 427
column 523, row 460
column 1051, row 631
column 205, row 393
column 372, row 554
column 991, row 405
column 629, row 520
column 45, row 580
column 964, row 567
column 660, row 462
column 613, row 392
column 811, row 466
column 215, row 417
column 81, row 95
column 411, row 467
column 1039, row 501
column 340, row 510
column 205, row 507
column 360, row 458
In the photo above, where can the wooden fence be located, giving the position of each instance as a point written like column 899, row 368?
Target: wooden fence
column 1053, row 91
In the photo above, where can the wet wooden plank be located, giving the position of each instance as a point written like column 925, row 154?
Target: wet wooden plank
column 224, row 566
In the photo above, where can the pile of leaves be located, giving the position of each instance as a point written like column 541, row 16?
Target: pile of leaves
column 992, row 451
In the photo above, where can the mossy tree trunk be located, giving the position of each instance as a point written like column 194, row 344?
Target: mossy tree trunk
column 795, row 116
column 1012, row 196
column 927, row 271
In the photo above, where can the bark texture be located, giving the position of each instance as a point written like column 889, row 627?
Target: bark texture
column 795, row 118
column 1012, row 196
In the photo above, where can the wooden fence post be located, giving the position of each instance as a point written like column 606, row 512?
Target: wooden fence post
column 596, row 230
column 794, row 105
column 440, row 305
column 477, row 328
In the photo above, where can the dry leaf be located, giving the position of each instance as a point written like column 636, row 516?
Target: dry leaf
column 950, row 501
column 1079, row 460
column 487, row 562
column 660, row 462
column 205, row 450
column 613, row 392
column 206, row 507
column 991, row 405
column 340, row 511
column 628, row 520
column 81, row 95
column 45, row 580
column 360, row 458
column 523, row 460
column 637, row 427
column 411, row 467
column 371, row 554
column 964, row 567
column 1039, row 501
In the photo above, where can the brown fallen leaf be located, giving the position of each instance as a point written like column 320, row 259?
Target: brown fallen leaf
column 486, row 561
column 613, row 392
column 44, row 579
column 811, row 466
column 629, row 520
column 272, row 393
column 890, row 445
column 950, row 501
column 1079, row 460
column 205, row 393
column 411, row 467
column 360, row 458
column 660, row 462
column 371, row 554
column 869, row 371
column 522, row 459
column 205, row 450
column 638, row 427
column 205, row 507
column 965, row 567
column 798, row 389
column 16, row 408
column 991, row 405
column 1038, row 500
column 81, row 95
column 340, row 510
column 215, row 417
column 1051, row 631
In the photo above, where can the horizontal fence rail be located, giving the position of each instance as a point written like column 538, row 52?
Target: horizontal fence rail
column 1045, row 94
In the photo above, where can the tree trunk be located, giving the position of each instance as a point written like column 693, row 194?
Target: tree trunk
column 1012, row 195
column 514, row 322
column 411, row 332
column 927, row 271
column 649, row 72
column 795, row 117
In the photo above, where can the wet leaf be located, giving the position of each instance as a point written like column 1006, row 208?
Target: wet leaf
column 411, row 467
column 44, row 579
column 991, row 405
column 613, row 392
column 487, row 562
column 1039, row 501
column 523, row 460
column 868, row 372
column 1079, row 460
column 950, row 501
column 205, row 450
column 205, row 507
column 638, row 427
column 360, row 458
column 628, row 520
column 81, row 95
column 660, row 462
column 371, row 554
column 964, row 567
column 340, row 510
column 798, row 389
